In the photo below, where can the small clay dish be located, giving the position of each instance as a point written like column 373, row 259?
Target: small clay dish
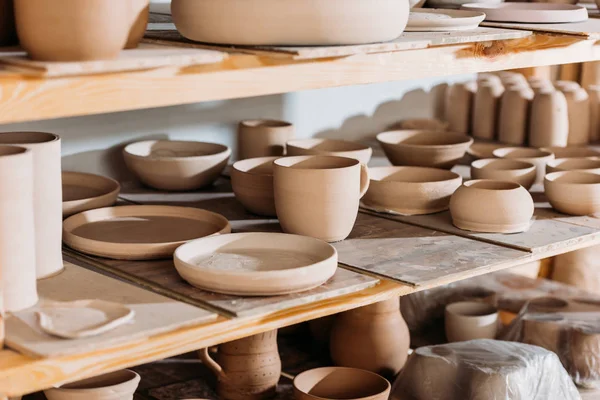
column 479, row 150
column 329, row 147
column 574, row 164
column 82, row 192
column 521, row 172
column 335, row 383
column 113, row 386
column 176, row 165
column 252, row 183
column 410, row 190
column 537, row 157
column 486, row 205
column 572, row 152
column 573, row 192
column 424, row 148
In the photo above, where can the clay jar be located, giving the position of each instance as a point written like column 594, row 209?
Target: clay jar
column 81, row 30
column 573, row 192
column 140, row 12
column 491, row 206
column 458, row 105
column 521, row 172
column 574, row 164
column 539, row 158
column 319, row 196
column 578, row 106
column 334, row 383
column 120, row 385
column 514, row 115
column 549, row 122
column 485, row 109
column 8, row 33
column 252, row 183
column 263, row 138
column 339, row 148
column 578, row 268
column 374, row 338
column 468, row 320
column 248, row 368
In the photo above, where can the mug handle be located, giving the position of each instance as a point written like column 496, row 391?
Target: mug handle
column 365, row 179
column 211, row 364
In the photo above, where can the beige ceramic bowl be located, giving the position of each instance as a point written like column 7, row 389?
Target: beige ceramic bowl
column 423, row 148
column 329, row 147
column 572, row 152
column 176, row 165
column 479, row 150
column 252, row 183
column 410, row 190
column 574, row 164
column 113, row 386
column 537, row 157
column 470, row 320
column 573, row 192
column 81, row 192
column 521, row 172
column 334, row 383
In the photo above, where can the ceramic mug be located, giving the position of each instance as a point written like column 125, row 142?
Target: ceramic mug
column 318, row 196
column 469, row 320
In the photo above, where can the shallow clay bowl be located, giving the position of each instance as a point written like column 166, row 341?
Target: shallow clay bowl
column 113, row 386
column 572, row 152
column 410, row 190
column 335, row 383
column 252, row 183
column 573, row 192
column 256, row 264
column 574, row 164
column 81, row 192
column 521, row 172
column 537, row 157
column 176, row 165
column 423, row 148
column 479, row 150
column 329, row 147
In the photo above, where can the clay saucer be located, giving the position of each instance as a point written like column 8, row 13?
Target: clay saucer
column 252, row 183
column 424, row 148
column 574, row 164
column 521, row 172
column 410, row 190
column 256, row 264
column 334, row 383
column 572, row 152
column 543, row 13
column 115, row 385
column 479, row 150
column 81, row 192
column 573, row 192
column 434, row 20
column 139, row 232
column 329, row 147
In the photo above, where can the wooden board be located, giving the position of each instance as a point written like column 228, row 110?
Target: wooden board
column 589, row 29
column 154, row 314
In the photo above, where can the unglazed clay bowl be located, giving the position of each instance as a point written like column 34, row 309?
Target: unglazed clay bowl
column 573, row 192
column 336, row 383
column 410, row 190
column 329, row 147
column 521, row 172
column 574, row 164
column 176, row 165
column 537, row 157
column 572, row 152
column 486, row 205
column 252, row 183
column 82, row 192
column 423, row 148
column 299, row 22
column 479, row 150
column 470, row 320
column 119, row 385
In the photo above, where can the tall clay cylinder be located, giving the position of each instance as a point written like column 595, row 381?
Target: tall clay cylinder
column 578, row 106
column 485, row 110
column 458, row 105
column 47, row 191
column 263, row 138
column 549, row 121
column 17, row 229
column 514, row 115
column 594, row 94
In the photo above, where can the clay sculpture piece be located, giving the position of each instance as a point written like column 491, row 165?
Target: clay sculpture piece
column 521, row 172
column 469, row 320
column 120, row 385
column 458, row 106
column 82, row 192
column 513, row 115
column 252, row 183
column 574, row 164
column 539, row 158
column 263, row 138
column 334, row 383
column 330, row 147
column 573, row 192
column 549, row 122
column 485, row 110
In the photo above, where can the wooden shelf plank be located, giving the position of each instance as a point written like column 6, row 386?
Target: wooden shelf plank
column 590, row 29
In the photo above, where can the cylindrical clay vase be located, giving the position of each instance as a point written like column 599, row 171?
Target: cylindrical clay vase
column 373, row 337
column 458, row 106
column 549, row 122
column 485, row 110
column 594, row 95
column 17, row 229
column 590, row 73
column 579, row 268
column 47, row 191
column 578, row 106
column 263, row 138
column 514, row 115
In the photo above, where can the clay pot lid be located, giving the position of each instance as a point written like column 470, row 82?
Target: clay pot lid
column 572, row 152
column 502, row 164
column 424, row 138
column 79, row 189
column 573, row 178
column 255, row 166
column 111, row 382
column 327, row 145
column 409, row 174
column 335, row 383
column 175, row 150
column 574, row 164
column 521, row 152
column 265, row 123
column 483, row 149
column 29, row 138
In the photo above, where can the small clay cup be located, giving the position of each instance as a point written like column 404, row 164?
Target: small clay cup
column 572, row 151
column 252, row 183
column 140, row 12
column 263, row 138
column 574, row 164
column 521, row 172
column 573, row 192
column 118, row 385
column 539, row 158
column 329, row 147
column 469, row 320
column 335, row 383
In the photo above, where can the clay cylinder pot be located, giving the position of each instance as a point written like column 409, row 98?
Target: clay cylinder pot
column 514, row 115
column 17, row 230
column 584, row 356
column 458, row 105
column 140, row 12
column 579, row 268
column 373, row 337
column 47, row 192
column 549, row 121
column 334, row 383
column 81, row 30
column 263, row 138
column 485, row 110
column 469, row 320
column 578, row 106
column 318, row 196
column 8, row 33
column 590, row 73
column 252, row 183
column 540, row 85
column 594, row 95
column 248, row 368
column 546, row 331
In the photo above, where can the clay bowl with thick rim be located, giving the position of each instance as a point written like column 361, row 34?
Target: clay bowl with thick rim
column 573, row 192
column 485, row 205
column 175, row 164
column 335, row 383
column 117, row 385
column 572, row 152
column 574, row 164
column 329, row 147
column 410, row 190
column 82, row 192
column 437, row 149
column 537, row 157
column 252, row 183
column 256, row 264
column 521, row 172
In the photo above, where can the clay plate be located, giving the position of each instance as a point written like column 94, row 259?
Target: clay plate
column 434, row 20
column 543, row 13
column 139, row 232
column 256, row 264
column 81, row 192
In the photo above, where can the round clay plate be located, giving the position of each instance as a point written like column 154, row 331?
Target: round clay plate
column 543, row 13
column 256, row 264
column 139, row 232
column 432, row 20
column 82, row 192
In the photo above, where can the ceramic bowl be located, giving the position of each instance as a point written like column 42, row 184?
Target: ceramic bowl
column 334, row 383
column 410, row 190
column 537, row 157
column 113, row 386
column 521, row 172
column 329, row 147
column 486, row 205
column 479, row 150
column 140, row 13
column 82, row 192
column 572, row 152
column 176, row 165
column 252, row 183
column 424, row 148
column 470, row 320
column 573, row 192
column 574, row 164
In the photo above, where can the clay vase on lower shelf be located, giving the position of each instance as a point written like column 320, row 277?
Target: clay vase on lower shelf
column 248, row 368
column 485, row 110
column 263, row 138
column 513, row 115
column 578, row 106
column 458, row 106
column 579, row 268
column 374, row 338
column 549, row 121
